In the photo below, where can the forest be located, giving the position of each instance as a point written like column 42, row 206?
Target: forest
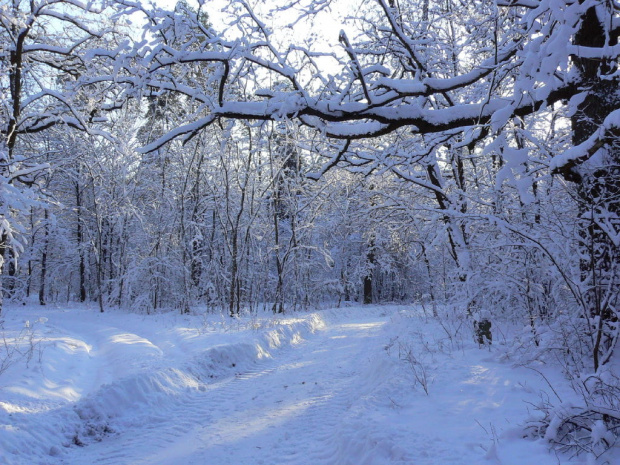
column 241, row 158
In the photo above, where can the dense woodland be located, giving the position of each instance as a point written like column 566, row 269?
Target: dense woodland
column 462, row 154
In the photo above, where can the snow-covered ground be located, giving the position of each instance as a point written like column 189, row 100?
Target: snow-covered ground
column 354, row 386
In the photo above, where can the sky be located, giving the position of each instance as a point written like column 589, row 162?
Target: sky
column 325, row 28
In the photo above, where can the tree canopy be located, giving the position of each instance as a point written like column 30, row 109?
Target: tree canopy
column 461, row 153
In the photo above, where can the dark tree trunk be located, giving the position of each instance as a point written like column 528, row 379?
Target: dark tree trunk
column 44, row 262
column 278, row 304
column 196, row 262
column 233, row 296
column 368, row 287
column 11, row 261
column 3, row 252
column 80, row 240
column 598, row 191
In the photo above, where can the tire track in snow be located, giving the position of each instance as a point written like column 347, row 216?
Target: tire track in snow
column 165, row 423
column 285, row 410
column 163, row 420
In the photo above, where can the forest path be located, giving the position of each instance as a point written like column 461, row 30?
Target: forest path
column 289, row 410
column 345, row 395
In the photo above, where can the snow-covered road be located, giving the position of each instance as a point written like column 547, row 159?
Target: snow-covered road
column 289, row 410
column 338, row 387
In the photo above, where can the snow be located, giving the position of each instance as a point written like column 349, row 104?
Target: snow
column 590, row 146
column 360, row 385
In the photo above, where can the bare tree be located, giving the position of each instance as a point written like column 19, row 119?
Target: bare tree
column 543, row 60
column 43, row 53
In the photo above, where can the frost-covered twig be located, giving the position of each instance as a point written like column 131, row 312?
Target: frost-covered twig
column 23, row 346
column 419, row 369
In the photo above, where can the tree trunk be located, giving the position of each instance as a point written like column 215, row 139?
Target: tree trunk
column 80, row 239
column 44, row 261
column 278, row 304
column 598, row 187
column 370, row 259
column 233, row 296
column 3, row 247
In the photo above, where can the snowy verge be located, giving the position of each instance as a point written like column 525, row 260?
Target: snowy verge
column 445, row 399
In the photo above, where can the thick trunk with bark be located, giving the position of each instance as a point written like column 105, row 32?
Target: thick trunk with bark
column 598, row 191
